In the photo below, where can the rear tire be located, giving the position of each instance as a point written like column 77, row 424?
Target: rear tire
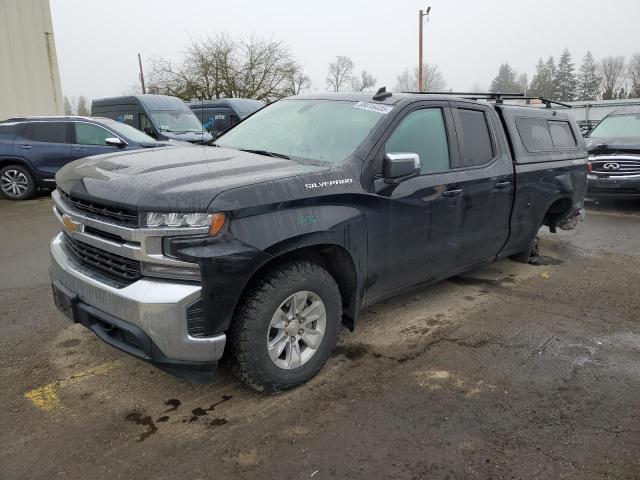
column 17, row 183
column 285, row 328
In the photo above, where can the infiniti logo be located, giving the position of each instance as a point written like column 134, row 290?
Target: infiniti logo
column 611, row 166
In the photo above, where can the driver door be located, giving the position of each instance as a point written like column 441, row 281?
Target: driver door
column 414, row 227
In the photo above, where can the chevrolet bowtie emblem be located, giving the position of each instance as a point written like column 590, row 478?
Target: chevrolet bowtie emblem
column 71, row 225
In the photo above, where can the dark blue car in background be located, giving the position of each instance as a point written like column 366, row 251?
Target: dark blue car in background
column 33, row 149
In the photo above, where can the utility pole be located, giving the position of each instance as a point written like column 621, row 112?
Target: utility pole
column 141, row 74
column 421, row 16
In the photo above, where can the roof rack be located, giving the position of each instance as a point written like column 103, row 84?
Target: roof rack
column 499, row 97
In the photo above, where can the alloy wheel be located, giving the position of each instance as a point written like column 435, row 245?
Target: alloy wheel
column 14, row 183
column 296, row 330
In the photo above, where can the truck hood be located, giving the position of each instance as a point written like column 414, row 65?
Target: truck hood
column 171, row 179
column 613, row 144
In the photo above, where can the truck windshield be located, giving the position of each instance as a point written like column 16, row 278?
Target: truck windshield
column 324, row 130
column 176, row 121
column 622, row 126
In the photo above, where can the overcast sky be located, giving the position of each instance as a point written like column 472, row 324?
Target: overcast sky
column 97, row 41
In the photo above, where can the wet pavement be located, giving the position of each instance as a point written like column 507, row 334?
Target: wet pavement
column 510, row 371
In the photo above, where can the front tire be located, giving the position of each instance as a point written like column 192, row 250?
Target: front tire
column 284, row 330
column 16, row 183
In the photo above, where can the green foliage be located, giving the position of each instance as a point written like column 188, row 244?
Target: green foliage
column 588, row 79
column 505, row 81
column 566, row 82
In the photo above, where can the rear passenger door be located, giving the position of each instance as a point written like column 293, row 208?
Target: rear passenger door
column 46, row 145
column 486, row 182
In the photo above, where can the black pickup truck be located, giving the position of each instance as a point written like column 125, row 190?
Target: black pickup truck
column 300, row 216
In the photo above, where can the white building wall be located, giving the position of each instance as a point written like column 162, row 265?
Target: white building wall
column 29, row 79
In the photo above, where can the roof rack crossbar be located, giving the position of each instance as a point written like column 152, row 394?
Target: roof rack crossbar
column 499, row 97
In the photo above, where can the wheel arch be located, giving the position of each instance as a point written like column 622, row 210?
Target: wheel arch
column 556, row 211
column 6, row 161
column 331, row 256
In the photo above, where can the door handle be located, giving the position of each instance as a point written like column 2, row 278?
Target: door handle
column 25, row 147
column 79, row 149
column 451, row 193
column 503, row 184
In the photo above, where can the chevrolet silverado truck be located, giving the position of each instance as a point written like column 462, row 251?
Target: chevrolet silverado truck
column 257, row 249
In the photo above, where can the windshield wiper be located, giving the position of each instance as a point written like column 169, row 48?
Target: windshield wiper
column 266, row 154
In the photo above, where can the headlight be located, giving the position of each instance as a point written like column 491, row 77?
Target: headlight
column 214, row 221
column 158, row 219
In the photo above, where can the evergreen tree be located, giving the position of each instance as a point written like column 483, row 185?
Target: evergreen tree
column 550, row 90
column 68, row 109
column 536, row 88
column 588, row 79
column 634, row 76
column 505, row 81
column 565, row 80
column 83, row 109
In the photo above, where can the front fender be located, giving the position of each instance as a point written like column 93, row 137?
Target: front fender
column 229, row 262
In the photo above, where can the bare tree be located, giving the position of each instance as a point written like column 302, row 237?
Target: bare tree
column 433, row 80
column 297, row 83
column 612, row 72
column 223, row 67
column 476, row 88
column 523, row 82
column 364, row 81
column 340, row 73
column 634, row 76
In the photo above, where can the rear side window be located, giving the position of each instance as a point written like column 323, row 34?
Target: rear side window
column 422, row 132
column 48, row 132
column 89, row 134
column 562, row 135
column 476, row 148
column 542, row 135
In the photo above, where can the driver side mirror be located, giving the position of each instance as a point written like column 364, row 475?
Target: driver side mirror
column 398, row 167
column 150, row 132
column 115, row 142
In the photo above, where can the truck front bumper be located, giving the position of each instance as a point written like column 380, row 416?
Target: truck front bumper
column 147, row 319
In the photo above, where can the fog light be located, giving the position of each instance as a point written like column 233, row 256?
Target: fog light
column 170, row 271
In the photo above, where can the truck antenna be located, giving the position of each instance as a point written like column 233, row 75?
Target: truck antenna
column 382, row 94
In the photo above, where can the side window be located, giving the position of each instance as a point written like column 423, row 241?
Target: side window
column 562, row 135
column 221, row 122
column 422, row 132
column 535, row 134
column 146, row 126
column 48, row 132
column 88, row 134
column 476, row 145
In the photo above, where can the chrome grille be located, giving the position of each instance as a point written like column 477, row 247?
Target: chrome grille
column 110, row 263
column 615, row 166
column 121, row 216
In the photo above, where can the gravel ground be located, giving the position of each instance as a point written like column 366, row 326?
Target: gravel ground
column 510, row 371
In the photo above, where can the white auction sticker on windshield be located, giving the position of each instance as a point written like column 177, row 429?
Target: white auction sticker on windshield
column 374, row 107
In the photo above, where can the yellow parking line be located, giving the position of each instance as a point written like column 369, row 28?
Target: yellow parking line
column 46, row 398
